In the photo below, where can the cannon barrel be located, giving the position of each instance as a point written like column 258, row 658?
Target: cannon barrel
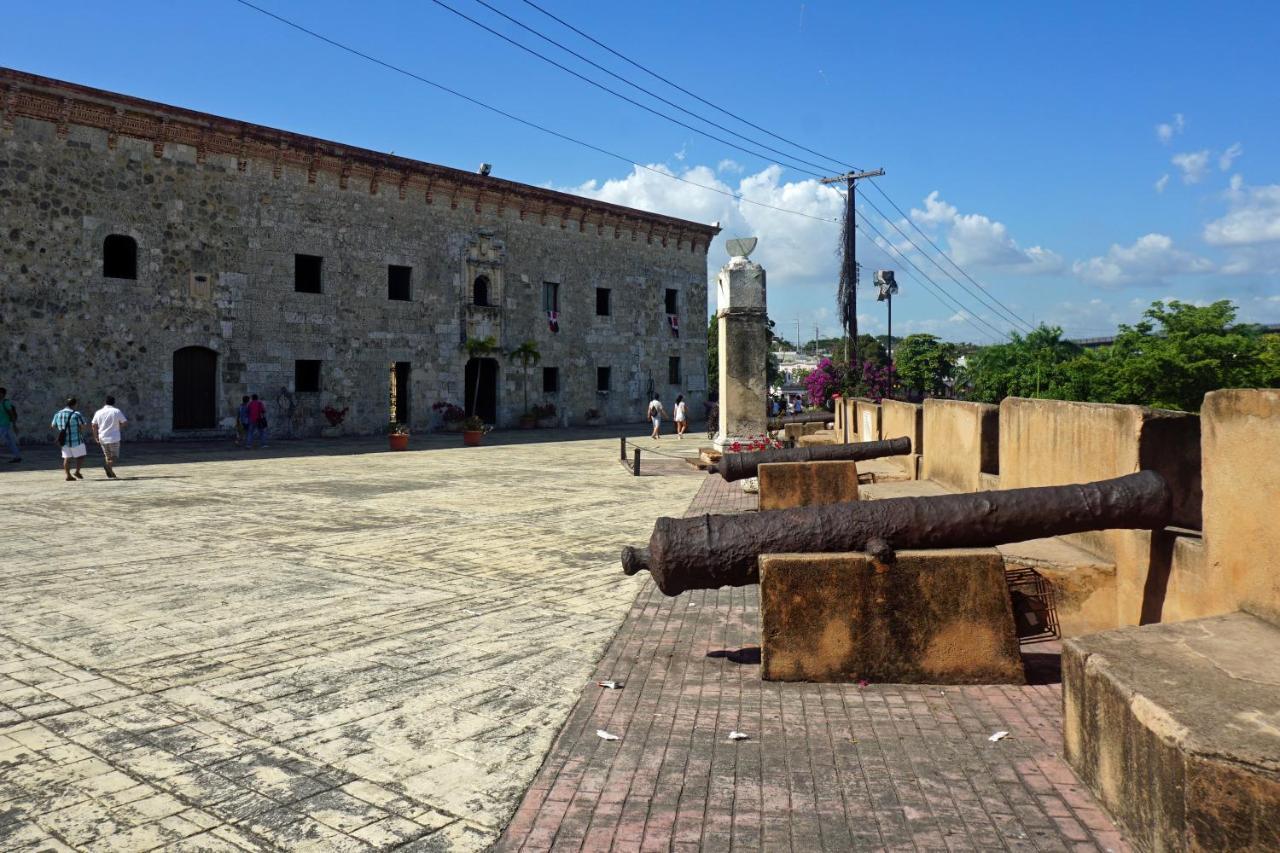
column 739, row 466
column 814, row 417
column 711, row 551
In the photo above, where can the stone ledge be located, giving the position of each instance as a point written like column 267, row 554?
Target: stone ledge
column 1176, row 729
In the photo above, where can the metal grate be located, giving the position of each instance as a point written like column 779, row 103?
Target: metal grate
column 1035, row 612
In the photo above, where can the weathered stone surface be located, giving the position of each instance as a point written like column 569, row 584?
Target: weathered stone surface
column 1176, row 729
column 787, row 484
column 964, row 443
column 939, row 617
column 743, row 349
column 217, row 232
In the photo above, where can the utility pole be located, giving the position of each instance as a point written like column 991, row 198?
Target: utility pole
column 849, row 272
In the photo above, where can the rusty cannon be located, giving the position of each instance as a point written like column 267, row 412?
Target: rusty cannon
column 739, row 466
column 711, row 551
column 814, row 417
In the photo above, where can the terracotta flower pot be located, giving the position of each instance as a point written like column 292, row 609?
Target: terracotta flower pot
column 528, row 422
column 471, row 437
column 398, row 441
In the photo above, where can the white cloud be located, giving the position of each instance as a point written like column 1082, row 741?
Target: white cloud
column 1226, row 158
column 1193, row 165
column 976, row 240
column 728, row 165
column 1254, row 216
column 1165, row 132
column 1162, row 183
column 1148, row 261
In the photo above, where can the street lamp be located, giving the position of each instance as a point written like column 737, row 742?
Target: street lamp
column 885, row 282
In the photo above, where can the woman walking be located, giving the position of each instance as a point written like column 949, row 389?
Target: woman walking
column 681, row 416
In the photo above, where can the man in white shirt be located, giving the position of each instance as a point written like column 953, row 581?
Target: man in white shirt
column 655, row 413
column 107, row 423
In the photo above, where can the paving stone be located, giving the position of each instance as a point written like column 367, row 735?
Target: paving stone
column 287, row 648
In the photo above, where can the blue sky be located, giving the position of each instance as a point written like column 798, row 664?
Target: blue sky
column 1079, row 162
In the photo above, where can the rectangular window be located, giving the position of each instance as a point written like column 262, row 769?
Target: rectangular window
column 306, row 273
column 603, row 308
column 673, row 370
column 399, row 283
column 673, row 301
column 602, row 379
column 550, row 380
column 306, row 375
column 551, row 296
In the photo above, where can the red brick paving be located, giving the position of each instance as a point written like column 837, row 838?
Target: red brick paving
column 826, row 766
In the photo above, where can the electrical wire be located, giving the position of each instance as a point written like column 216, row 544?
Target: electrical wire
column 638, row 87
column 617, row 94
column 526, row 122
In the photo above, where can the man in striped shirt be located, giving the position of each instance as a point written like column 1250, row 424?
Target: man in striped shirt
column 70, row 425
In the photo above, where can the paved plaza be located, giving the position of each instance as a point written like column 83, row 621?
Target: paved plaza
column 318, row 646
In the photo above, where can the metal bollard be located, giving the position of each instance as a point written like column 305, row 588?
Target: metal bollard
column 623, row 449
column 635, row 466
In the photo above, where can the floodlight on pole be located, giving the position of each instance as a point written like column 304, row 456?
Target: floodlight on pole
column 887, row 286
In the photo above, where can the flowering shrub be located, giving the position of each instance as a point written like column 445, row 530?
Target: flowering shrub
column 546, row 410
column 878, row 381
column 448, row 411
column 335, row 417
column 754, row 443
column 592, row 414
column 823, row 381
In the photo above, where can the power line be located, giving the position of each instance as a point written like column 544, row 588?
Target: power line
column 618, row 94
column 526, row 122
column 940, row 252
column 638, row 87
column 1015, row 319
column 976, row 295
column 680, row 88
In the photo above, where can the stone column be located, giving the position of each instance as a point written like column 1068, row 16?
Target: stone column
column 744, row 346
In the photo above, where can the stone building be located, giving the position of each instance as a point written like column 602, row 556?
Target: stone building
column 180, row 260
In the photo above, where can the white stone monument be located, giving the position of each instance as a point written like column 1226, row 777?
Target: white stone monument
column 744, row 346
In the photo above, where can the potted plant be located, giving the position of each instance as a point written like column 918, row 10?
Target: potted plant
column 594, row 417
column 450, row 415
column 545, row 415
column 473, row 429
column 398, row 436
column 335, row 417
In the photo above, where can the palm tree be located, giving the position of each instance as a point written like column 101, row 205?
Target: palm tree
column 527, row 354
column 479, row 348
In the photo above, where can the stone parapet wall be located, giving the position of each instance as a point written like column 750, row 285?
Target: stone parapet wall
column 899, row 419
column 963, row 443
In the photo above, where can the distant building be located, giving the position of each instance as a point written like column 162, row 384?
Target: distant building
column 180, row 260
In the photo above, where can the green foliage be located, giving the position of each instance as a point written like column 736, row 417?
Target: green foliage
column 923, row 362
column 480, row 347
column 528, row 355
column 1170, row 359
column 713, row 355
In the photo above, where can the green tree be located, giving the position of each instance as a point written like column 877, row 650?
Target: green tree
column 527, row 354
column 923, row 362
column 713, row 355
column 1030, row 366
column 479, row 348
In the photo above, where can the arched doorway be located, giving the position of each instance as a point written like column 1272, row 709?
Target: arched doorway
column 195, row 388
column 482, row 389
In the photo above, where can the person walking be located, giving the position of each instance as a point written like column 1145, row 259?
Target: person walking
column 106, row 424
column 656, row 413
column 257, row 421
column 70, row 426
column 9, row 425
column 681, row 414
column 242, row 421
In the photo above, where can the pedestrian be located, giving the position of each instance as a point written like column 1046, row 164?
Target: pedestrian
column 656, row 413
column 681, row 414
column 799, row 407
column 774, row 408
column 242, row 421
column 9, row 425
column 70, row 426
column 257, row 421
column 107, row 423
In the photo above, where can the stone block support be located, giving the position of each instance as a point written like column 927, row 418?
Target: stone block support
column 784, row 485
column 936, row 617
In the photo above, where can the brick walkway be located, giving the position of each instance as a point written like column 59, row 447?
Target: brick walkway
column 825, row 767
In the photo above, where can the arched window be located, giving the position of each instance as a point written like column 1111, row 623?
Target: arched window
column 480, row 292
column 119, row 256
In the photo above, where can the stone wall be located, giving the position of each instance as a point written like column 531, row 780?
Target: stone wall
column 899, row 419
column 963, row 441
column 217, row 234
